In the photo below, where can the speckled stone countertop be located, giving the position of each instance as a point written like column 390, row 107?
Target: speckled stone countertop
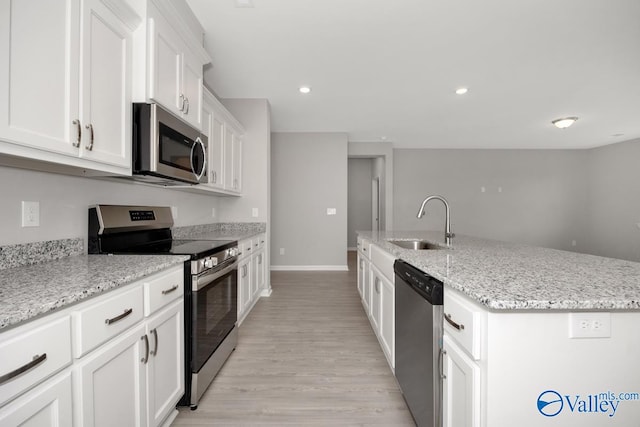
column 220, row 231
column 33, row 290
column 508, row 276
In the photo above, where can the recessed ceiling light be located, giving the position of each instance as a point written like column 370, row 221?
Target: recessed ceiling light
column 383, row 138
column 304, row 89
column 462, row 90
column 244, row 3
column 564, row 122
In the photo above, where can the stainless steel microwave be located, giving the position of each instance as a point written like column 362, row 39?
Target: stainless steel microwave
column 166, row 150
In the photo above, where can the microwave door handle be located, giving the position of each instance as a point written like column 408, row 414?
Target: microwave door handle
column 204, row 165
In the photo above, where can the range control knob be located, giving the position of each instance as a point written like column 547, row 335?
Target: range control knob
column 210, row 262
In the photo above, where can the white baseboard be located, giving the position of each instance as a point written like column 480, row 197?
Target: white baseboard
column 266, row 292
column 309, row 268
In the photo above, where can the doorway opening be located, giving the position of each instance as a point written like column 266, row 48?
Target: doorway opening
column 366, row 197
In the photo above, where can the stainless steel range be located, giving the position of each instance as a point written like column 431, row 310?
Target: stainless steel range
column 211, row 284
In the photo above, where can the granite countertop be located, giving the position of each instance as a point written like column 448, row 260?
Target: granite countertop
column 33, row 290
column 508, row 276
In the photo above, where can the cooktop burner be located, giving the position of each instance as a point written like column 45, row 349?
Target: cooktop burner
column 193, row 248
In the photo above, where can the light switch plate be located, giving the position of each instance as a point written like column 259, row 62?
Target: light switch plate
column 331, row 211
column 254, row 212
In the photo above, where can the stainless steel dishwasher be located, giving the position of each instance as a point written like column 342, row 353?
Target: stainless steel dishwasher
column 418, row 342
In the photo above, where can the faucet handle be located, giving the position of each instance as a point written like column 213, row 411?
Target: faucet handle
column 449, row 235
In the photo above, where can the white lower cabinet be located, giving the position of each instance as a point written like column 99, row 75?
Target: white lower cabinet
column 49, row 404
column 165, row 368
column 377, row 290
column 110, row 383
column 244, row 287
column 252, row 274
column 461, row 387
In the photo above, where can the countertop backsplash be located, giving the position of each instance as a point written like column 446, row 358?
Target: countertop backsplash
column 23, row 254
column 219, row 227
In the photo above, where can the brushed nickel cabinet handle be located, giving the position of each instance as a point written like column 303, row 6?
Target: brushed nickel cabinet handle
column 155, row 340
column 145, row 359
column 186, row 109
column 182, row 103
column 377, row 283
column 120, row 317
column 168, row 291
column 214, row 178
column 37, row 359
column 441, row 354
column 450, row 321
column 79, row 137
column 90, row 127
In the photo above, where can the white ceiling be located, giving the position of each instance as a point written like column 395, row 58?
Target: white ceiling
column 389, row 68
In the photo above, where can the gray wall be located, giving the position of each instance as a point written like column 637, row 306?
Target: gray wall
column 614, row 200
column 64, row 201
column 543, row 199
column 359, row 198
column 309, row 175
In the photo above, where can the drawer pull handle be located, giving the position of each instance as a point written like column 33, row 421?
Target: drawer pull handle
column 120, row 317
column 155, row 340
column 459, row 327
column 145, row 359
column 168, row 291
column 24, row 368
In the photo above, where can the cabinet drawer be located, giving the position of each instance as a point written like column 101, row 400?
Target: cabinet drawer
column 364, row 246
column 245, row 248
column 37, row 352
column 463, row 322
column 99, row 322
column 161, row 289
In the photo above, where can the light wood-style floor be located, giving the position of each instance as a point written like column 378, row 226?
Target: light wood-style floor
column 306, row 356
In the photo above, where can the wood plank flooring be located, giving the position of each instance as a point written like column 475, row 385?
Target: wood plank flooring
column 306, row 356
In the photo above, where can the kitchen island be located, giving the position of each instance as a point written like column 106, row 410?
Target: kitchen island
column 548, row 337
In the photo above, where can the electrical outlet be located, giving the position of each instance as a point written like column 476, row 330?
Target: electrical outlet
column 331, row 211
column 589, row 325
column 174, row 212
column 30, row 214
column 213, row 212
column 254, row 212
column 281, row 251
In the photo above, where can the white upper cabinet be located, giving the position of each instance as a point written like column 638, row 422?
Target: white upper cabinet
column 65, row 84
column 225, row 147
column 173, row 76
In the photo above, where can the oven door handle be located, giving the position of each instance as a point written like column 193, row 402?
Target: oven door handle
column 203, row 281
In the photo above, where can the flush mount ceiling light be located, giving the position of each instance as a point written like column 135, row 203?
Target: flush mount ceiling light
column 244, row 3
column 564, row 122
column 304, row 89
column 462, row 90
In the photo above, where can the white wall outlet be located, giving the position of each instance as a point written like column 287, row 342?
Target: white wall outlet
column 255, row 212
column 499, row 189
column 574, row 243
column 30, row 214
column 483, row 189
column 213, row 212
column 589, row 325
column 281, row 251
column 174, row 212
column 331, row 211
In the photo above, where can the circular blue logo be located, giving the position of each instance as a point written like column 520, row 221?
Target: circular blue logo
column 550, row 403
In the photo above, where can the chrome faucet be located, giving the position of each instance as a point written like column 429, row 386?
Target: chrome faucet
column 448, row 235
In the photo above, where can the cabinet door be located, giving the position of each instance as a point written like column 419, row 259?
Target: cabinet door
column 49, row 404
column 244, row 287
column 237, row 162
column 361, row 276
column 216, row 153
column 229, row 183
column 165, row 62
column 39, row 74
column 387, row 319
column 192, row 90
column 110, row 383
column 105, row 96
column 261, row 272
column 376, row 286
column 366, row 283
column 461, row 387
column 165, row 370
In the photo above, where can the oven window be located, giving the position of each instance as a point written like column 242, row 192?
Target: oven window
column 215, row 311
column 175, row 148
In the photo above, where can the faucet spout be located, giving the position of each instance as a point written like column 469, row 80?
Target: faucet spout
column 448, row 235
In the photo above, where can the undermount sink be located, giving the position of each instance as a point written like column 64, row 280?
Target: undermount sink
column 416, row 244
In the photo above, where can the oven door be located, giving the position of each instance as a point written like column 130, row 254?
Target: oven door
column 215, row 311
